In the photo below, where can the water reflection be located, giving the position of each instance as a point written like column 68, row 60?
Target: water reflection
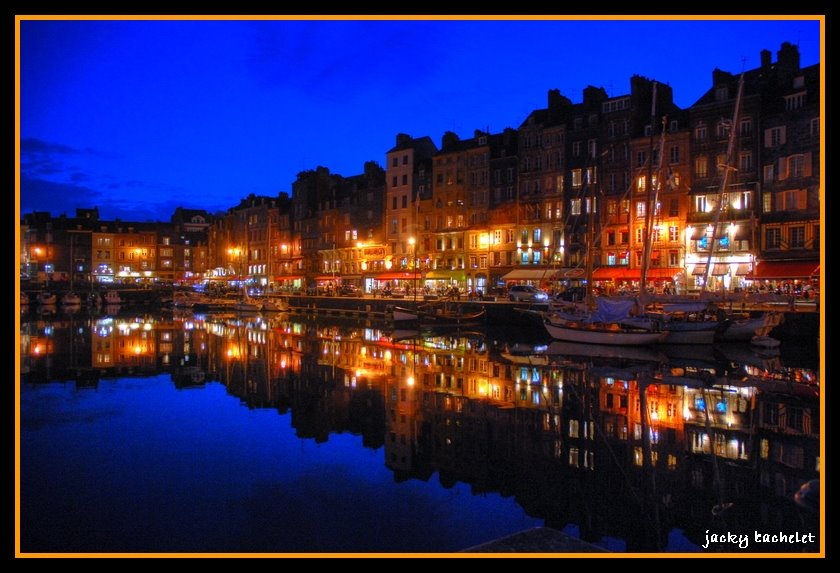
column 625, row 443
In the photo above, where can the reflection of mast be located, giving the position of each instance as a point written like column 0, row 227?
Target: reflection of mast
column 647, row 463
column 730, row 149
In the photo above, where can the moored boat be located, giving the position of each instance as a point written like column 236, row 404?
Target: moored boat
column 448, row 315
column 71, row 299
column 246, row 305
column 400, row 314
column 46, row 299
column 600, row 333
column 274, row 305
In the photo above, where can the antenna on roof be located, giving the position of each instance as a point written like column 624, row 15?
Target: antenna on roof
column 743, row 63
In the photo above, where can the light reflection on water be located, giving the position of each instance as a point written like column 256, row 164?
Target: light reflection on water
column 394, row 440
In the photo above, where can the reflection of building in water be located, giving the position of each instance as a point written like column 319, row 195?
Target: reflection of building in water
column 574, row 440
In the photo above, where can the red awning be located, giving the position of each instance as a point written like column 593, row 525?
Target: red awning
column 662, row 274
column 785, row 270
column 287, row 277
column 608, row 273
column 623, row 273
column 398, row 276
column 328, row 278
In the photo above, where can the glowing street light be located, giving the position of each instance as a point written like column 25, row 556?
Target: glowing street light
column 413, row 243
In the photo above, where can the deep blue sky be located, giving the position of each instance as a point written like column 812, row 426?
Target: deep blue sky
column 140, row 117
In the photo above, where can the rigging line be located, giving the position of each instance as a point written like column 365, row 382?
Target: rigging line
column 730, row 149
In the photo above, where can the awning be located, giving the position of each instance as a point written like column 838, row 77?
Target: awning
column 531, row 275
column 446, row 274
column 571, row 273
column 768, row 270
column 743, row 269
column 287, row 277
column 720, row 269
column 623, row 273
column 660, row 274
column 698, row 233
column 609, row 273
column 327, row 278
column 398, row 276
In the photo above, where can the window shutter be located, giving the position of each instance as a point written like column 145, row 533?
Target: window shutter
column 782, row 138
column 783, row 168
column 767, row 138
column 802, row 199
column 806, row 421
column 807, row 167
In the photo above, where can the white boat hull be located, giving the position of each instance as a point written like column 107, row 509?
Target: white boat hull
column 679, row 332
column 272, row 306
column 590, row 334
column 744, row 330
column 399, row 315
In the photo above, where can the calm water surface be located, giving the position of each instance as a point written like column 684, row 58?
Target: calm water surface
column 197, row 434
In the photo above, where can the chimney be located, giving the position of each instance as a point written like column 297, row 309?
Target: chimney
column 449, row 139
column 593, row 95
column 766, row 62
column 788, row 56
column 553, row 99
column 718, row 76
column 403, row 139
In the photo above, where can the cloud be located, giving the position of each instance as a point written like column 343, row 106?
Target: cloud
column 30, row 145
column 37, row 194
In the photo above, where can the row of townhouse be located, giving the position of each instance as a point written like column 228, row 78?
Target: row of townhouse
column 84, row 248
column 626, row 182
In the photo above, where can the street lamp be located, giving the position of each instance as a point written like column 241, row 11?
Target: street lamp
column 413, row 243
column 237, row 252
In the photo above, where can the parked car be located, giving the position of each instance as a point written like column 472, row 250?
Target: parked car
column 572, row 294
column 349, row 290
column 526, row 293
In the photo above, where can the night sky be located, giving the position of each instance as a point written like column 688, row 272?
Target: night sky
column 139, row 117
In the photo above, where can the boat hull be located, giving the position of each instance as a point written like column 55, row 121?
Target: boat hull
column 399, row 314
column 589, row 334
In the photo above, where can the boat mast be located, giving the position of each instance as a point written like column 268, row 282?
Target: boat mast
column 648, row 217
column 590, row 237
column 730, row 150
column 650, row 212
column 268, row 215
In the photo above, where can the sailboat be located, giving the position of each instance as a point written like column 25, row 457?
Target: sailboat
column 686, row 321
column 753, row 329
column 604, row 325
